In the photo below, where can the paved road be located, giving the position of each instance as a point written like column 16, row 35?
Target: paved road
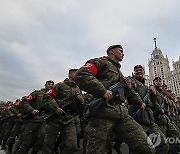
column 124, row 149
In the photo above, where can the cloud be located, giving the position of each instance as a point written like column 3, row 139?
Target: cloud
column 42, row 40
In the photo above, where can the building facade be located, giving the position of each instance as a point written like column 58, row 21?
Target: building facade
column 159, row 67
column 176, row 77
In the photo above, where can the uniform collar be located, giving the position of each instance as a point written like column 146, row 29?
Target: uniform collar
column 117, row 64
column 69, row 82
column 142, row 80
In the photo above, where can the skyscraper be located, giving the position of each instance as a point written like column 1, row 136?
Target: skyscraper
column 159, row 67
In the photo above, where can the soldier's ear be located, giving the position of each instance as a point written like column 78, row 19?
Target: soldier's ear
column 112, row 52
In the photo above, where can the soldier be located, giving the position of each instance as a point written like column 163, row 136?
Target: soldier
column 178, row 112
column 34, row 130
column 4, row 115
column 10, row 121
column 16, row 128
column 160, row 109
column 144, row 116
column 95, row 77
column 63, row 101
column 48, row 85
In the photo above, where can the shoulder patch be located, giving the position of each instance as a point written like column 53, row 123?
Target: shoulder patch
column 66, row 90
column 37, row 90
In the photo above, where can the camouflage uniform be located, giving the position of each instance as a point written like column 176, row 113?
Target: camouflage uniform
column 178, row 112
column 9, row 123
column 164, row 122
column 2, row 121
column 63, row 93
column 145, row 116
column 95, row 77
column 34, row 128
column 16, row 128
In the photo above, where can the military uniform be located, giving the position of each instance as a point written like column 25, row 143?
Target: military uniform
column 95, row 77
column 16, row 128
column 9, row 123
column 59, row 96
column 164, row 122
column 145, row 116
column 34, row 128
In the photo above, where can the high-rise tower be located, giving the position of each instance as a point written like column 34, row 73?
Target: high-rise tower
column 159, row 66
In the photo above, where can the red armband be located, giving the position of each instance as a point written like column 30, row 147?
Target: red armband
column 52, row 93
column 92, row 68
column 29, row 98
column 17, row 104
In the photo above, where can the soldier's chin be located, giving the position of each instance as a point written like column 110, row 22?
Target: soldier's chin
column 139, row 75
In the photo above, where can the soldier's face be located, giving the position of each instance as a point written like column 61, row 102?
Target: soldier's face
column 164, row 89
column 158, row 83
column 49, row 86
column 72, row 75
column 139, row 72
column 118, row 54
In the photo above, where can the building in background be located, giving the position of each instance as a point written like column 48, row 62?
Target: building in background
column 176, row 77
column 159, row 67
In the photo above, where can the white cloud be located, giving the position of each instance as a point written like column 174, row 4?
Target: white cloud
column 42, row 39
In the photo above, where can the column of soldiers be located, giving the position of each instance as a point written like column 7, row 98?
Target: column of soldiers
column 114, row 109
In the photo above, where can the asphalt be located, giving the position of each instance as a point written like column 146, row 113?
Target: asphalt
column 124, row 150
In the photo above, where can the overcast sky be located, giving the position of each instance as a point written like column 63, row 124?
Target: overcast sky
column 43, row 39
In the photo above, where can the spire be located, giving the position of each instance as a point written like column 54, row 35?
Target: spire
column 155, row 43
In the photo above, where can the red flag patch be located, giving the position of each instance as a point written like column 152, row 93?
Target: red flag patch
column 92, row 68
column 52, row 93
column 29, row 98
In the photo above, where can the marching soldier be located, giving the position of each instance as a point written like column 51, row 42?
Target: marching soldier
column 16, row 128
column 34, row 131
column 95, row 77
column 144, row 116
column 160, row 117
column 63, row 101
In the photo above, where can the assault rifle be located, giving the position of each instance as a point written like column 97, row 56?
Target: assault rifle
column 117, row 91
column 65, row 107
column 147, row 101
column 30, row 115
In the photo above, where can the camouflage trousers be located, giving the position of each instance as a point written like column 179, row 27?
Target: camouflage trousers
column 33, row 135
column 98, row 130
column 9, row 125
column 14, row 132
column 154, row 130
column 68, row 133
column 170, row 131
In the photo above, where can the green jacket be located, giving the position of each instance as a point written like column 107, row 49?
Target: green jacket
column 31, row 102
column 142, row 116
column 65, row 92
column 96, row 76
